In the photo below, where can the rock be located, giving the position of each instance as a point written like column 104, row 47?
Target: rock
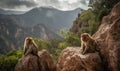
column 43, row 62
column 46, row 61
column 71, row 60
column 108, row 37
column 28, row 63
column 77, row 24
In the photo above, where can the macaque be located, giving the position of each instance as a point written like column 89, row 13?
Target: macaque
column 30, row 47
column 88, row 44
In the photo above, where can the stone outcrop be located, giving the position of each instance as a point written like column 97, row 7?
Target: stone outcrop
column 28, row 63
column 77, row 24
column 71, row 60
column 43, row 62
column 108, row 39
column 46, row 61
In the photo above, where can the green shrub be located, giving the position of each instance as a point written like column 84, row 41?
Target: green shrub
column 8, row 62
column 70, row 39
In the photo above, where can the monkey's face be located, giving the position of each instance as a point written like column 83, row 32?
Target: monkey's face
column 28, row 41
column 84, row 37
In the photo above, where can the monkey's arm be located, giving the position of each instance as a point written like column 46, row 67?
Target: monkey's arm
column 82, row 47
column 29, row 50
column 35, row 50
column 24, row 50
column 85, row 50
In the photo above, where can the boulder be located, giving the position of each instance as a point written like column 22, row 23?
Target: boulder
column 46, row 61
column 28, row 63
column 42, row 62
column 108, row 38
column 71, row 60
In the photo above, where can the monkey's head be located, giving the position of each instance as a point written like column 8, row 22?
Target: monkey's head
column 28, row 41
column 85, row 37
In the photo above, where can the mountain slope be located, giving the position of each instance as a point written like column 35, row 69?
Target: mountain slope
column 43, row 23
column 52, row 18
column 12, row 35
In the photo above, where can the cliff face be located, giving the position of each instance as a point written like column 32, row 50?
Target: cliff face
column 108, row 39
column 77, row 24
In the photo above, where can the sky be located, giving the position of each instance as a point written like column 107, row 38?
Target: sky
column 25, row 5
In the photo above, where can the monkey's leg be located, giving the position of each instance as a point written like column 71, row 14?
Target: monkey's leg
column 82, row 47
column 81, row 50
column 25, row 49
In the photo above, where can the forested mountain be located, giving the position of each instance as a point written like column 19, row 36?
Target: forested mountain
column 53, row 19
column 12, row 36
column 42, row 22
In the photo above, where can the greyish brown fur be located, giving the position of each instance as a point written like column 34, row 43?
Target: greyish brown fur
column 30, row 47
column 88, row 44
